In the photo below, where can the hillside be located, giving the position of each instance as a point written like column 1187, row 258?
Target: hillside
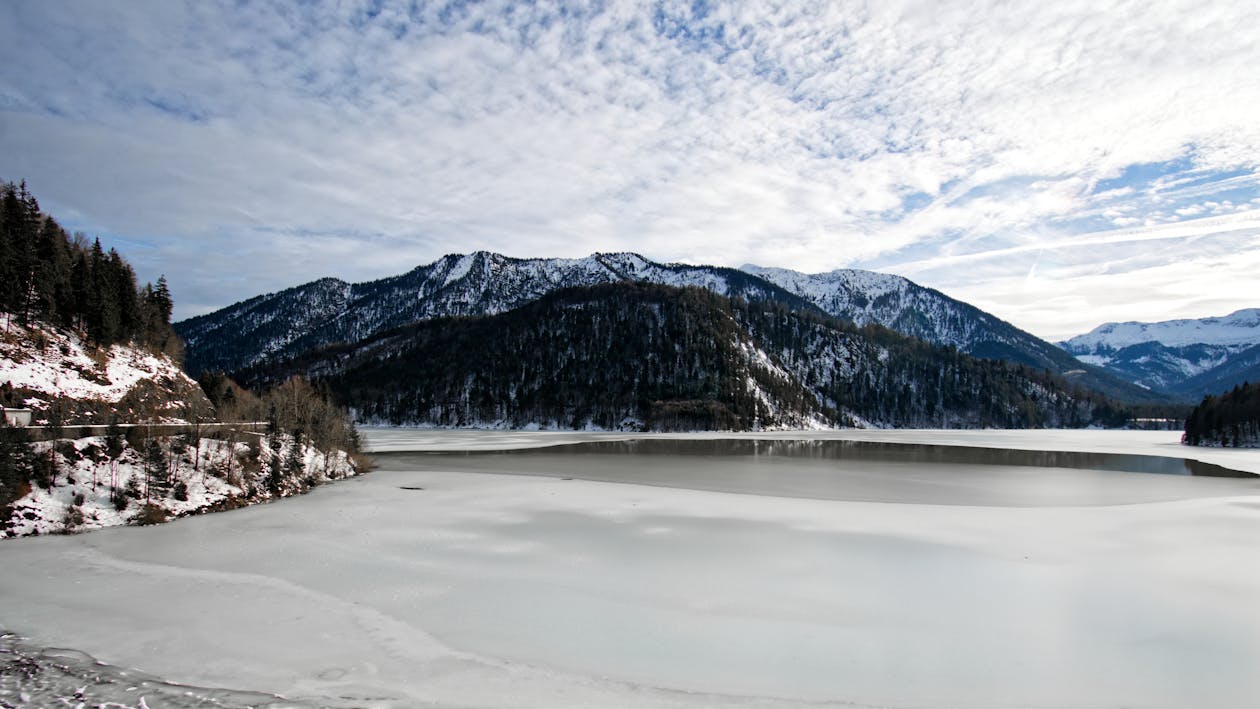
column 81, row 484
column 1230, row 419
column 88, row 352
column 1190, row 358
column 328, row 311
column 57, row 478
column 640, row 356
column 865, row 297
column 66, row 380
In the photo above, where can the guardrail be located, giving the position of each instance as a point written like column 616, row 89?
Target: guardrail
column 44, row 433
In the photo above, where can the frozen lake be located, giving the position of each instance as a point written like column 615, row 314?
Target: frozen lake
column 692, row 571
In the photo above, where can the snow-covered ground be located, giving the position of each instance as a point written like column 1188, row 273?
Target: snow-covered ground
column 88, row 482
column 56, row 363
column 424, row 585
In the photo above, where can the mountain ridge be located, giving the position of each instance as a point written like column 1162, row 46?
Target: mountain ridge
column 641, row 356
column 329, row 311
column 1188, row 357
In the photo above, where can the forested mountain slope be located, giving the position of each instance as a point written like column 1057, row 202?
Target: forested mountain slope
column 283, row 325
column 630, row 356
column 866, row 297
column 330, row 311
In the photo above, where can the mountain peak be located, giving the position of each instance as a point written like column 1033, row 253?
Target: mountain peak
column 1241, row 327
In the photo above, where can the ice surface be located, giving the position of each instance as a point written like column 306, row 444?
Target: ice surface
column 1157, row 443
column 412, row 586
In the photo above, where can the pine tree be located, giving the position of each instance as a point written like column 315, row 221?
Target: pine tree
column 17, row 464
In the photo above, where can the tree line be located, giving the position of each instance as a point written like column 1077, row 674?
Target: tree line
column 48, row 275
column 1231, row 419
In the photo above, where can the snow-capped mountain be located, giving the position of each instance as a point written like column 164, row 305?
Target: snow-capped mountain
column 902, row 305
column 645, row 356
column 329, row 311
column 1238, row 329
column 1188, row 357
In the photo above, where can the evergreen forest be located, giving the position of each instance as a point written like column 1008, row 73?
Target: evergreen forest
column 1231, row 419
column 48, row 275
column 638, row 355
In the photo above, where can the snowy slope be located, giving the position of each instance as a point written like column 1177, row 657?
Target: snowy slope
column 88, row 491
column 866, row 297
column 41, row 365
column 892, row 301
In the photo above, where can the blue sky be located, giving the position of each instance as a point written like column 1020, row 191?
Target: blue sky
column 1059, row 164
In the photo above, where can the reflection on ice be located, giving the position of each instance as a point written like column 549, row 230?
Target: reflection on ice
column 855, row 470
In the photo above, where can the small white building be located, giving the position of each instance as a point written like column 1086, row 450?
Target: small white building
column 16, row 417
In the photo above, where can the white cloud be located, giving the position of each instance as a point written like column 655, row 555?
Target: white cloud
column 284, row 142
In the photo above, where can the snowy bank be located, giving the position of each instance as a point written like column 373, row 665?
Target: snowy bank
column 100, row 481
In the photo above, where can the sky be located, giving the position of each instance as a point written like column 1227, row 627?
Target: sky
column 1059, row 164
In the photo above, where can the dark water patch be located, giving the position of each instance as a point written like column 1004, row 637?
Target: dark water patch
column 856, row 471
column 863, row 451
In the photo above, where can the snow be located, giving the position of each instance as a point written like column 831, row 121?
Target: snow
column 818, row 287
column 93, row 477
column 425, row 584
column 1240, row 328
column 459, row 269
column 1096, row 360
column 59, row 364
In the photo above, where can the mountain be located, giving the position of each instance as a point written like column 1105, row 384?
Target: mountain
column 1191, row 358
column 900, row 304
column 329, row 311
column 1239, row 328
column 643, row 356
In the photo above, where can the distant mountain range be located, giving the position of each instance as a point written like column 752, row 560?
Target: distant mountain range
column 280, row 326
column 1189, row 358
column 643, row 356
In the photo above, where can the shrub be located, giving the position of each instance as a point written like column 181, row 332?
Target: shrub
column 132, row 489
column 150, row 514
column 73, row 518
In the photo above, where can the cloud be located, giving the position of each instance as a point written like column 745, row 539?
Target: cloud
column 245, row 148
